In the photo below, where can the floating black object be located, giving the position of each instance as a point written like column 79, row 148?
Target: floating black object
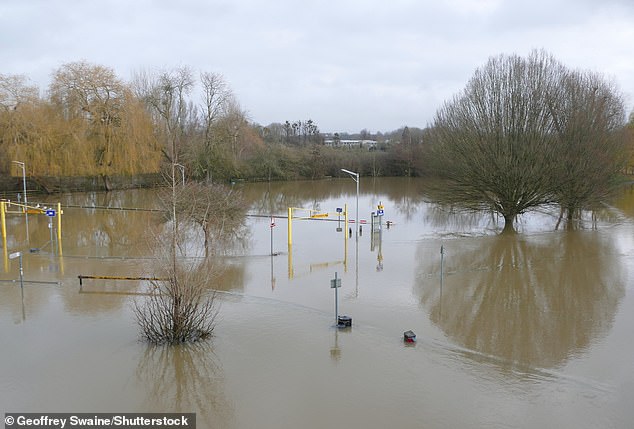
column 344, row 321
column 409, row 336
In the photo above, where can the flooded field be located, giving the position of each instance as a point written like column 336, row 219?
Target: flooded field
column 527, row 331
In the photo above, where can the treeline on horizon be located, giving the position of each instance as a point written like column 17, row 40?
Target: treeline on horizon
column 92, row 123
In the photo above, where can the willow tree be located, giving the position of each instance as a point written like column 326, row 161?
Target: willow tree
column 18, row 102
column 500, row 144
column 93, row 97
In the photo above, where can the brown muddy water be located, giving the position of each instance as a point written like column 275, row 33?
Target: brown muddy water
column 527, row 331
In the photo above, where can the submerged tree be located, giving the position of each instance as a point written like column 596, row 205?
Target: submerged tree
column 588, row 118
column 219, row 211
column 501, row 142
column 180, row 308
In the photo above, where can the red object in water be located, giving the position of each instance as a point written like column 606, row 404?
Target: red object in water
column 409, row 337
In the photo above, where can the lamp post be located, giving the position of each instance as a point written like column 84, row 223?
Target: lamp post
column 21, row 164
column 355, row 177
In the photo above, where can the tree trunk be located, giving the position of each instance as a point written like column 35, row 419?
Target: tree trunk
column 508, row 224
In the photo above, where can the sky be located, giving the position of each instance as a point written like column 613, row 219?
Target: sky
column 347, row 64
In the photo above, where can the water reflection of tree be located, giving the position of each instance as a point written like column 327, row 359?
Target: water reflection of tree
column 185, row 378
column 530, row 301
column 455, row 220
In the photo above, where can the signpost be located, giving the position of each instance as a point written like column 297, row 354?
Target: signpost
column 19, row 255
column 272, row 225
column 336, row 284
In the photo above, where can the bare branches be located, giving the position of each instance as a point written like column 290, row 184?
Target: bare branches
column 180, row 309
column 527, row 132
column 15, row 90
column 217, row 209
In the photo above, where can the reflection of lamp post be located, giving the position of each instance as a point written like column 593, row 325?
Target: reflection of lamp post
column 355, row 177
column 182, row 168
column 21, row 164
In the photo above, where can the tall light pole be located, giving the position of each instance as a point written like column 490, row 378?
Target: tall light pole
column 355, row 177
column 21, row 164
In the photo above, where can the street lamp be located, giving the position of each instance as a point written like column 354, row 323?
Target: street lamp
column 21, row 164
column 355, row 177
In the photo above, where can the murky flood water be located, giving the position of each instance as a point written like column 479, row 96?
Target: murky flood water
column 526, row 331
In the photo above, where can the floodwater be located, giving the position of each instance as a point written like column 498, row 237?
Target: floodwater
column 525, row 331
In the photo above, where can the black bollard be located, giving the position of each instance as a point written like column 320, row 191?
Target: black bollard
column 344, row 321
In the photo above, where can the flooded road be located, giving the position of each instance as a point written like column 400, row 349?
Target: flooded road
column 525, row 331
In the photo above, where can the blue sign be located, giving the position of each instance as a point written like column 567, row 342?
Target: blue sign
column 379, row 212
column 50, row 213
column 339, row 209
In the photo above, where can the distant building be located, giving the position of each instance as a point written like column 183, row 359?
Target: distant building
column 366, row 144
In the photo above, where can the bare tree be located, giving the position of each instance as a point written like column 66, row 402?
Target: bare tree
column 498, row 143
column 181, row 308
column 14, row 89
column 219, row 210
column 216, row 97
column 588, row 117
column 165, row 94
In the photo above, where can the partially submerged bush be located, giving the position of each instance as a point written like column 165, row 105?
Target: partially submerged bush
column 181, row 308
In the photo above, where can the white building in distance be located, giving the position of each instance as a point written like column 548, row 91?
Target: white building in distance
column 343, row 143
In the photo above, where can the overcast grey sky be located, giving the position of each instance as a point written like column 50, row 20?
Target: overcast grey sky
column 346, row 64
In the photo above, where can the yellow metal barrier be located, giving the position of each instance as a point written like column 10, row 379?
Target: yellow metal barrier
column 81, row 278
column 4, row 205
column 5, row 252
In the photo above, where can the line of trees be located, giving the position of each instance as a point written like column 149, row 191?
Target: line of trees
column 89, row 122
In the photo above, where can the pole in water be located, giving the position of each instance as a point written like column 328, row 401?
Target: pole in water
column 442, row 254
column 336, row 301
column 336, row 284
column 21, row 273
column 271, row 228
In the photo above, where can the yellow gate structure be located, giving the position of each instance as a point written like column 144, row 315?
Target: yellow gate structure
column 6, row 208
column 311, row 214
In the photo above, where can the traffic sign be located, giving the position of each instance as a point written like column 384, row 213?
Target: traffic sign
column 334, row 283
column 50, row 213
column 379, row 212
